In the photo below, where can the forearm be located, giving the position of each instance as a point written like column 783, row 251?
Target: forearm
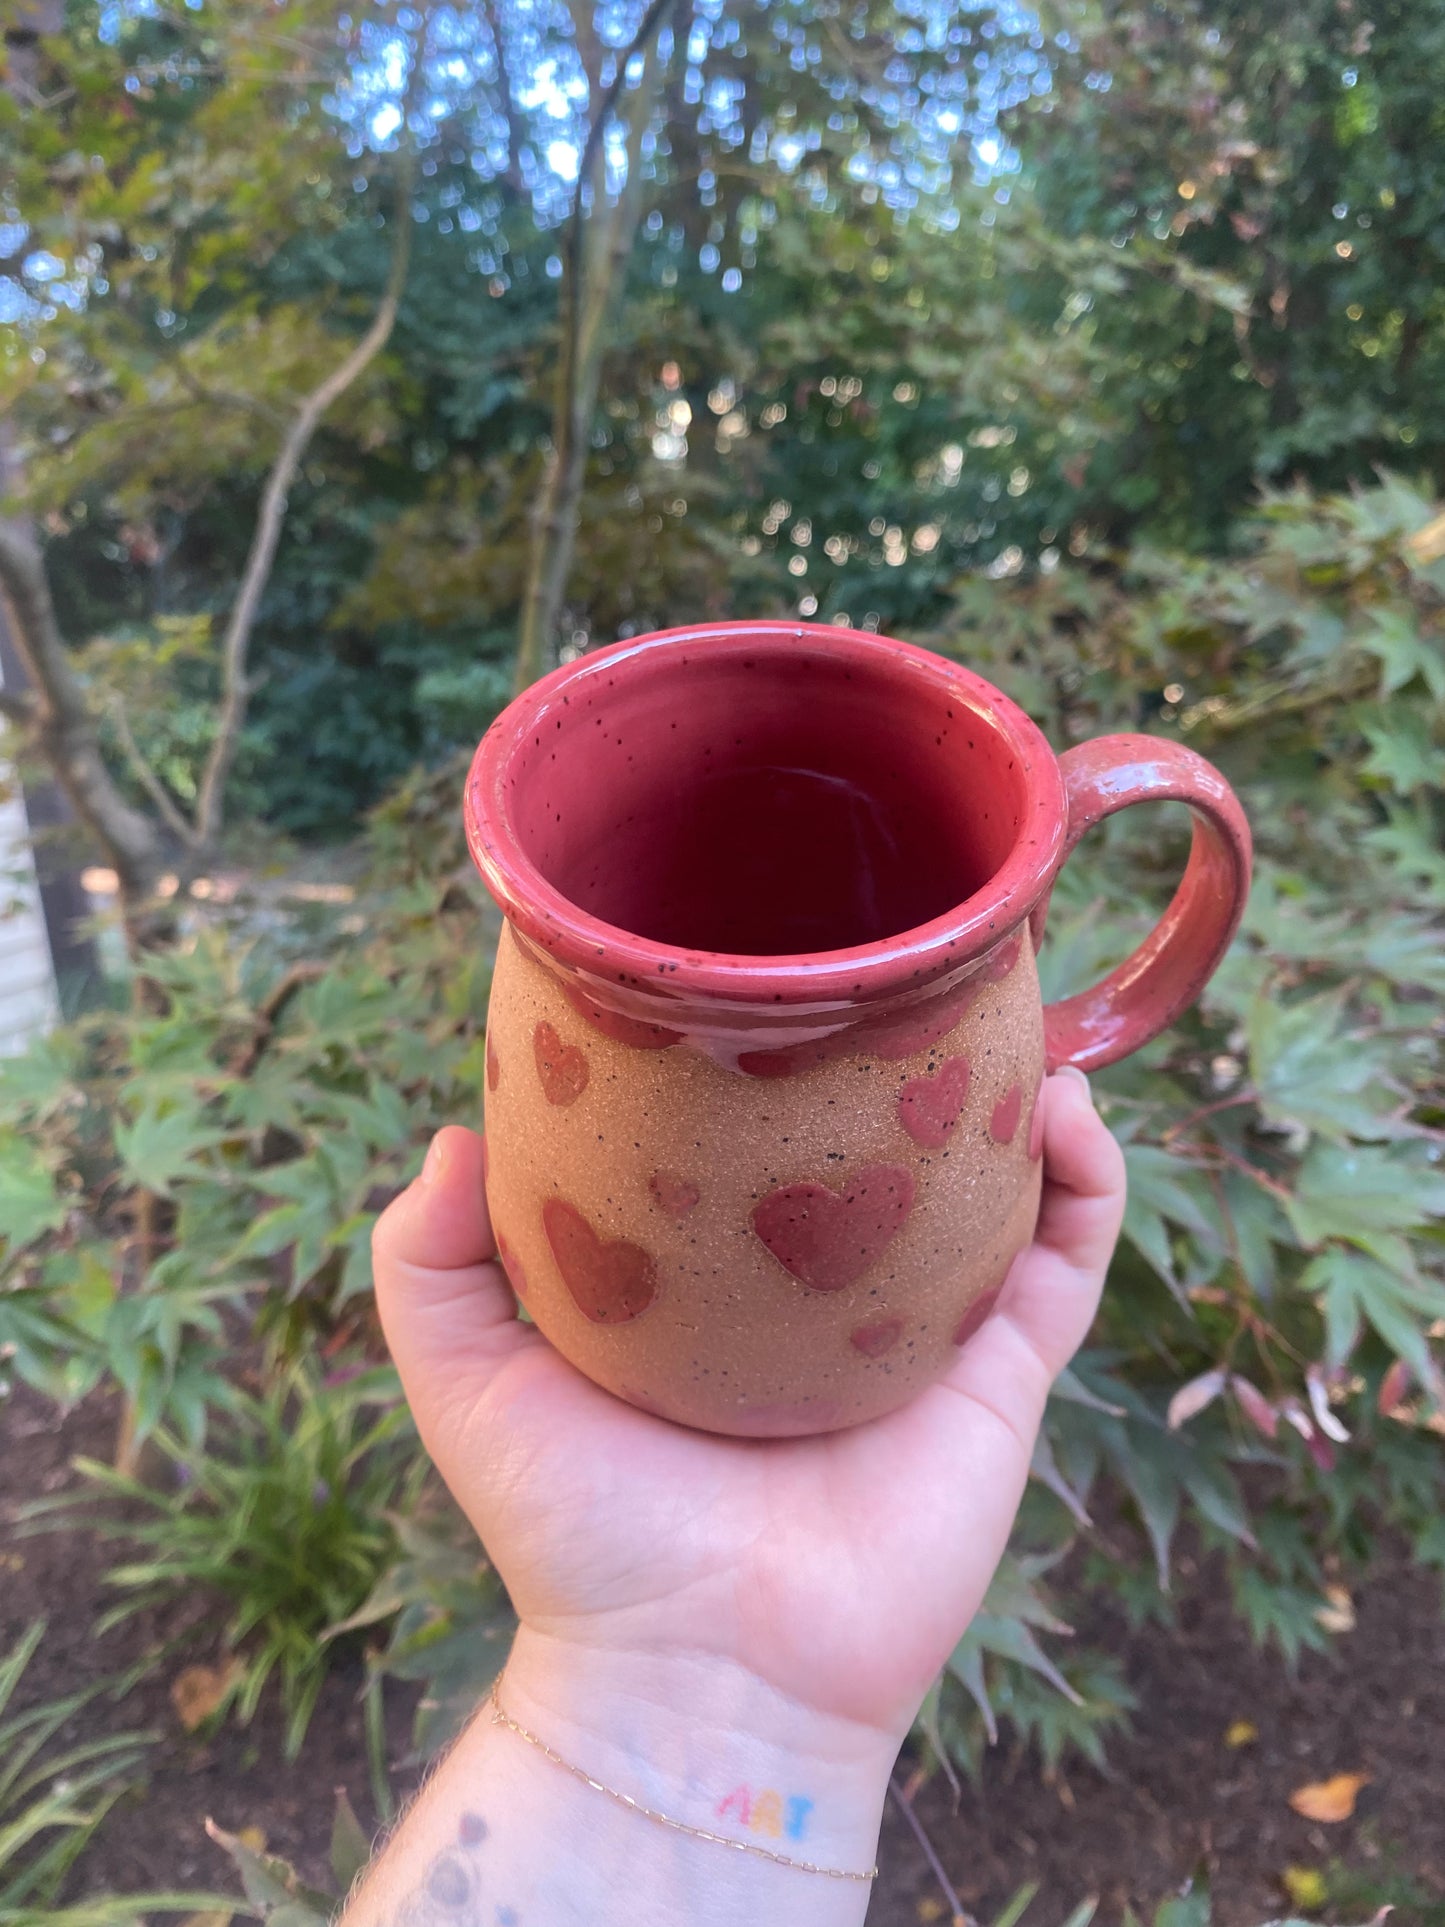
column 505, row 1837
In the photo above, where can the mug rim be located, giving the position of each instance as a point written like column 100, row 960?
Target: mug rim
column 605, row 953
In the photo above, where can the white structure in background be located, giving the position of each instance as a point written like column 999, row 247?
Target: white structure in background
column 28, row 1001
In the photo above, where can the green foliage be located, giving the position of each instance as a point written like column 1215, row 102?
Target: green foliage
column 52, row 1798
column 1018, row 412
column 451, row 1624
column 211, row 1166
column 284, row 1516
column 1282, row 1267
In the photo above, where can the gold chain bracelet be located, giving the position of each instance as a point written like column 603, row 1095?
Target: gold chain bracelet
column 500, row 1717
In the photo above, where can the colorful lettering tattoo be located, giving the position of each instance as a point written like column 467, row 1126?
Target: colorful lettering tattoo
column 766, row 1812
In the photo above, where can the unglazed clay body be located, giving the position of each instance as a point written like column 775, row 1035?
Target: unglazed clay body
column 763, row 1254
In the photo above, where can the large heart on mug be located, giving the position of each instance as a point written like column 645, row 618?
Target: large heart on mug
column 611, row 1280
column 828, row 1239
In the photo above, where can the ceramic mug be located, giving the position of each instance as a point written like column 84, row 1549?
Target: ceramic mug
column 766, row 1041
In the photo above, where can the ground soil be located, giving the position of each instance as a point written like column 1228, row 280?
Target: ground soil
column 1176, row 1798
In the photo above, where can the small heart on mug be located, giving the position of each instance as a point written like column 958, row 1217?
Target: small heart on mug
column 512, row 1265
column 876, row 1339
column 1006, row 1113
column 561, row 1067
column 676, row 1196
column 828, row 1239
column 494, row 1065
column 929, row 1107
column 977, row 1315
column 1036, row 1123
column 611, row 1280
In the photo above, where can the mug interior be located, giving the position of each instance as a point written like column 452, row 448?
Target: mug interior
column 776, row 796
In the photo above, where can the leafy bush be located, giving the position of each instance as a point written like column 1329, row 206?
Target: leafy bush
column 284, row 1515
column 185, row 1177
column 51, row 1802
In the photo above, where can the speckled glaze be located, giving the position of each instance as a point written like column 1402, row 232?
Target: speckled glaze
column 754, row 1187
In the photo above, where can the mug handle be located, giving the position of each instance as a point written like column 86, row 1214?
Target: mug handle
column 1179, row 956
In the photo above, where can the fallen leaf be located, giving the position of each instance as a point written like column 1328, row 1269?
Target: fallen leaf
column 1255, row 1406
column 197, row 1691
column 1393, row 1387
column 1192, row 1398
column 930, row 1909
column 1241, row 1733
column 1337, row 1615
column 1305, row 1886
column 1329, row 1800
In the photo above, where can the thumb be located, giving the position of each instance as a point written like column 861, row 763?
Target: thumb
column 445, row 1305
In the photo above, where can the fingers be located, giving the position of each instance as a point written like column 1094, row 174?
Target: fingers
column 1054, row 1288
column 445, row 1306
column 1083, row 1200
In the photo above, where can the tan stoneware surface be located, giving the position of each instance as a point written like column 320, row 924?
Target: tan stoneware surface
column 782, row 1252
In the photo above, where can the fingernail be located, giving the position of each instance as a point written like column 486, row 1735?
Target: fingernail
column 435, row 1158
column 1073, row 1071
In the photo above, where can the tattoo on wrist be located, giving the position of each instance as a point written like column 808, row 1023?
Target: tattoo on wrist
column 455, row 1889
column 767, row 1812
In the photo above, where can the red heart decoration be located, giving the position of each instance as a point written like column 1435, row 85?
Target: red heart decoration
column 494, row 1065
column 677, row 1196
column 977, row 1314
column 929, row 1107
column 512, row 1265
column 828, row 1239
column 611, row 1280
column 1006, row 1113
column 561, row 1067
column 879, row 1337
column 1036, row 1123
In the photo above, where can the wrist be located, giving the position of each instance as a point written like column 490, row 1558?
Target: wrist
column 707, row 1742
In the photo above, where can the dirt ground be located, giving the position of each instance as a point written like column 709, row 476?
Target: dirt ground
column 1176, row 1798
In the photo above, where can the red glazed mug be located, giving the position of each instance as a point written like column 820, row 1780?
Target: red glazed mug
column 766, row 1041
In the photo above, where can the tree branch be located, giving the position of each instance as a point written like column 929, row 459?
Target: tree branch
column 166, row 806
column 587, row 299
column 236, row 688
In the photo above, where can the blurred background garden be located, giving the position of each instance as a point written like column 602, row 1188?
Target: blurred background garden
column 359, row 360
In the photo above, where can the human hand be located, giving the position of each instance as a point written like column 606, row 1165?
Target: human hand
column 807, row 1590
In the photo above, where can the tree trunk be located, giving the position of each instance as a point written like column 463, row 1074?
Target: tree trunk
column 599, row 251
column 53, row 716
